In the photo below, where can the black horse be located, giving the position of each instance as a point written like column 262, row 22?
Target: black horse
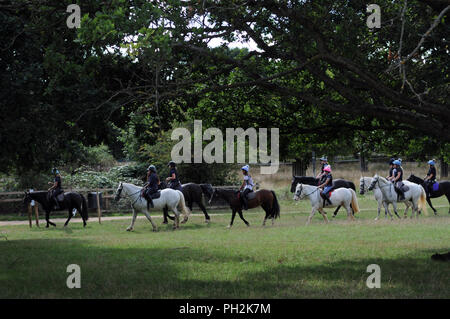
column 443, row 189
column 309, row 180
column 193, row 193
column 71, row 200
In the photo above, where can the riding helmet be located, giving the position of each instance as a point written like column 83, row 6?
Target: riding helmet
column 171, row 164
column 391, row 161
column 432, row 162
column 55, row 171
column 327, row 168
column 397, row 162
column 152, row 168
column 324, row 158
column 245, row 168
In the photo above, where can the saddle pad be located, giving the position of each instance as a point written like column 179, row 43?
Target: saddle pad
column 405, row 188
column 436, row 186
column 251, row 195
column 155, row 195
column 60, row 197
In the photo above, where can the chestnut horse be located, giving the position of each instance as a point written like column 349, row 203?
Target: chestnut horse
column 264, row 198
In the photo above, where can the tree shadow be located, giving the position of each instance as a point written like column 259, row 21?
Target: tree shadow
column 36, row 268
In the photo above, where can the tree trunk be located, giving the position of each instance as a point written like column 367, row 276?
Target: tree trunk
column 363, row 163
column 444, row 168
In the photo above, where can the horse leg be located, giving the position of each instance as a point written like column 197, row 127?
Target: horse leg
column 133, row 220
column 386, row 210
column 324, row 215
column 350, row 213
column 242, row 217
column 165, row 214
column 176, row 223
column 336, row 211
column 47, row 219
column 267, row 215
column 68, row 219
column 394, row 204
column 150, row 219
column 202, row 207
column 313, row 211
column 431, row 205
column 233, row 214
column 379, row 209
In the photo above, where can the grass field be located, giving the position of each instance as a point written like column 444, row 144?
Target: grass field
column 288, row 260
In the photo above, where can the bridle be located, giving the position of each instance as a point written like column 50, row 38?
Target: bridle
column 119, row 192
column 300, row 192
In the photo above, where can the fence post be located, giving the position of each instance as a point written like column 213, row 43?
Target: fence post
column 36, row 212
column 99, row 212
column 29, row 215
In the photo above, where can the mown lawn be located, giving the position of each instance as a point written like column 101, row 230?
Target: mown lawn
column 288, row 260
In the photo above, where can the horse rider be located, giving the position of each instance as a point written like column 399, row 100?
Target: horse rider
column 247, row 185
column 391, row 169
column 398, row 178
column 173, row 179
column 323, row 163
column 326, row 184
column 56, row 188
column 151, row 187
column 430, row 179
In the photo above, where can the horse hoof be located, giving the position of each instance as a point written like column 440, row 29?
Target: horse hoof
column 248, row 225
column 129, row 229
column 229, row 226
column 164, row 223
column 155, row 230
column 207, row 221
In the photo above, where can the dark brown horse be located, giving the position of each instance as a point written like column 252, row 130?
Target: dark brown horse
column 264, row 198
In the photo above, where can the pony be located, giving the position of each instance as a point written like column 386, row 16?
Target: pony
column 415, row 194
column 443, row 189
column 339, row 197
column 364, row 182
column 309, row 180
column 72, row 200
column 265, row 198
column 169, row 198
column 193, row 193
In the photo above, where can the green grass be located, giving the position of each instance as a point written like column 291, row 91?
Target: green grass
column 288, row 260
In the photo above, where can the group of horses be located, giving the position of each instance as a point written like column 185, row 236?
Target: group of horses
column 181, row 202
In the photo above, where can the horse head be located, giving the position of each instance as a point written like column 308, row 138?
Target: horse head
column 374, row 182
column 118, row 192
column 298, row 192
column 27, row 198
column 362, row 184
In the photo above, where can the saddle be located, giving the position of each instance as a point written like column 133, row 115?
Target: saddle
column 60, row 197
column 250, row 196
column 155, row 195
column 324, row 197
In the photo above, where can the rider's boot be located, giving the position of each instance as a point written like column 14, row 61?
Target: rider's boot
column 245, row 203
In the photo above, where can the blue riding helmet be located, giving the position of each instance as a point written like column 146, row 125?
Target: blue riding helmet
column 245, row 168
column 397, row 162
column 431, row 162
column 55, row 171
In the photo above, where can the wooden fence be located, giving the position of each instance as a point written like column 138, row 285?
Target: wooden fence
column 107, row 204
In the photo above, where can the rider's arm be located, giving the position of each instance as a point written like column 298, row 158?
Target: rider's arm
column 397, row 177
column 171, row 177
column 242, row 186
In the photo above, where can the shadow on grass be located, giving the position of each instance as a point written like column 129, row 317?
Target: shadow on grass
column 37, row 269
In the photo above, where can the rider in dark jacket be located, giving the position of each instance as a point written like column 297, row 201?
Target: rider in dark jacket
column 430, row 179
column 391, row 169
column 173, row 179
column 398, row 178
column 151, row 186
column 56, row 188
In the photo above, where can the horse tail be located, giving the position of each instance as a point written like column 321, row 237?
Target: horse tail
column 275, row 206
column 84, row 208
column 355, row 205
column 422, row 205
column 183, row 207
column 352, row 186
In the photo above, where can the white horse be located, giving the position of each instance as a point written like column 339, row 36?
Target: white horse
column 340, row 196
column 364, row 183
column 416, row 194
column 169, row 198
